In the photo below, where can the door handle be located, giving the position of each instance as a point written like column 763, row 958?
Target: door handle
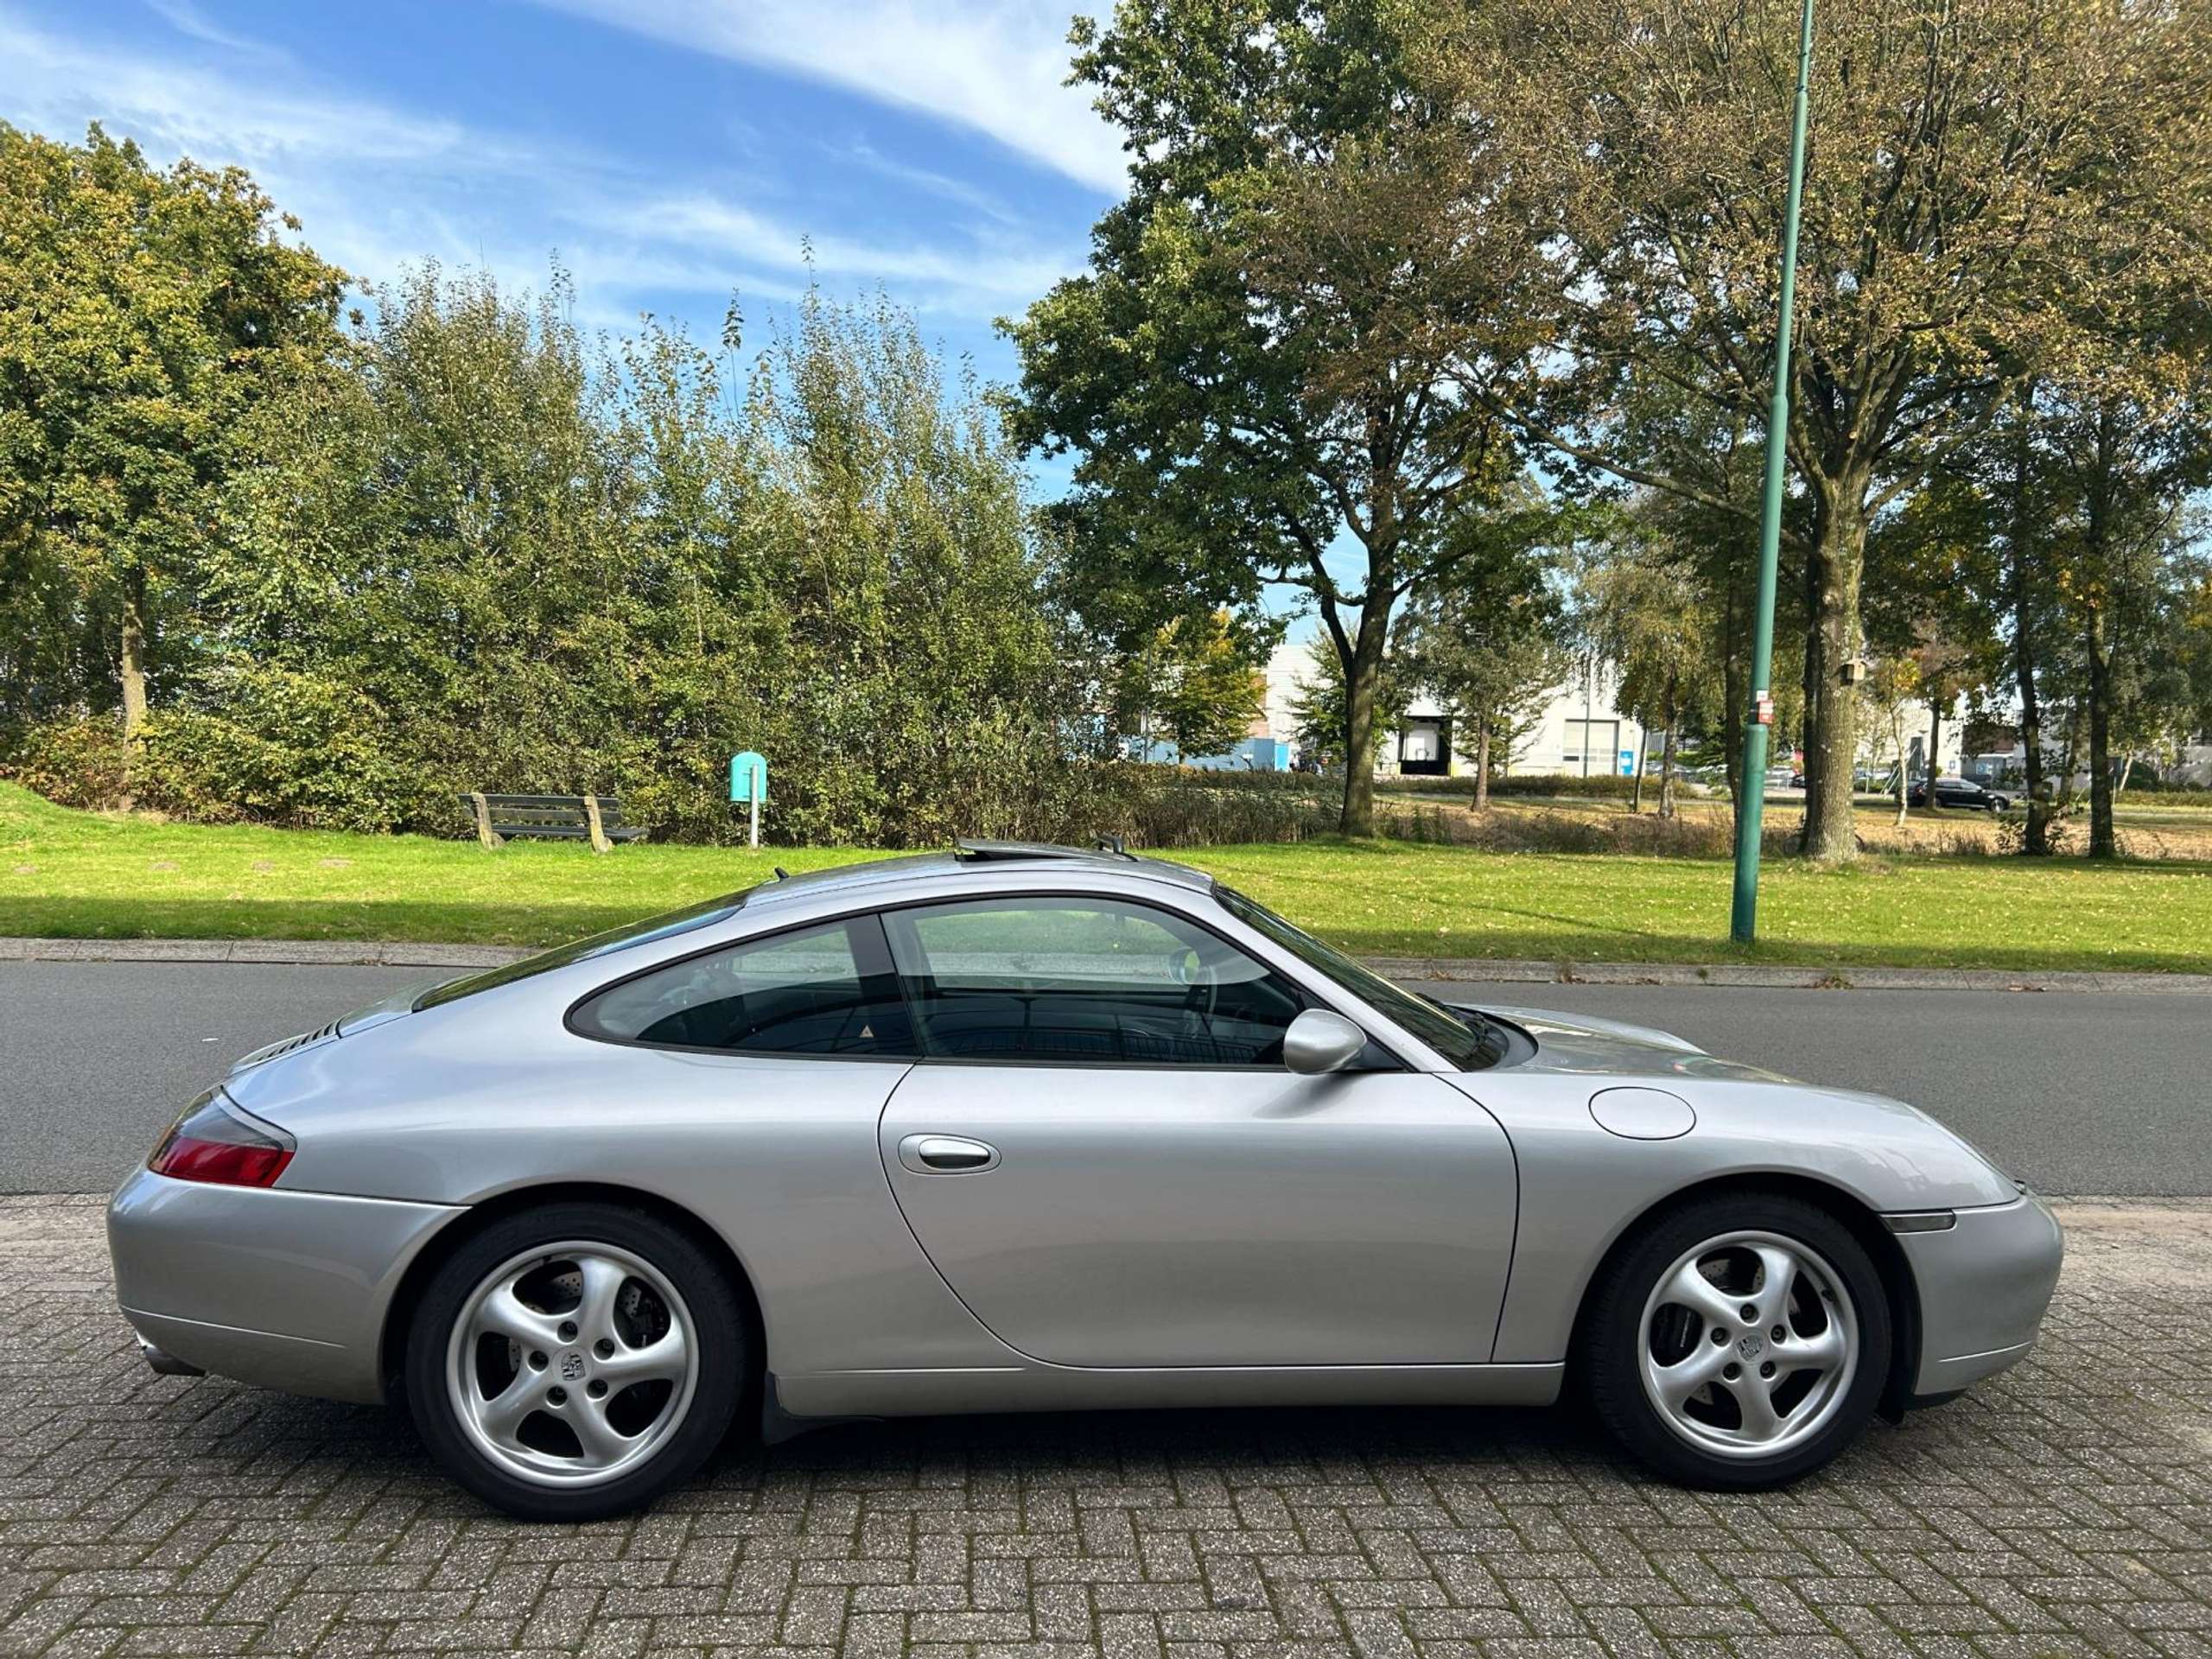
column 946, row 1155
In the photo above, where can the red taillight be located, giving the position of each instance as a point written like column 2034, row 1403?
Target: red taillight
column 215, row 1141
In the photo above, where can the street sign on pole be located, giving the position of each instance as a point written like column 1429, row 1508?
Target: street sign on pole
column 1750, row 807
column 748, row 782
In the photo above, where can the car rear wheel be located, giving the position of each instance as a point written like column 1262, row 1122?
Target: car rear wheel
column 1741, row 1341
column 576, row 1361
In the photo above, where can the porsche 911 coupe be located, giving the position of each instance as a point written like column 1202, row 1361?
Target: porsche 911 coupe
column 1018, row 1127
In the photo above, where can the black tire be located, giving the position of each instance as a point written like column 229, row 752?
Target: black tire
column 1611, row 1339
column 719, row 1328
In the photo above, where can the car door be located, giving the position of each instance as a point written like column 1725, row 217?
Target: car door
column 1103, row 1154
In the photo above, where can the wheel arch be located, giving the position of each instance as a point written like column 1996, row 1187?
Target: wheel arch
column 1863, row 1223
column 399, row 1310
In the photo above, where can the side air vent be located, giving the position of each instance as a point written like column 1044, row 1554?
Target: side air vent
column 287, row 1046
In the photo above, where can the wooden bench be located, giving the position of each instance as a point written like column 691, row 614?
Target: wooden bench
column 595, row 818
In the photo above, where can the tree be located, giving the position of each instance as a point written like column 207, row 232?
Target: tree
column 1647, row 615
column 1254, row 374
column 1959, row 209
column 2125, row 450
column 492, row 554
column 1890, row 687
column 1318, row 704
column 1491, row 651
column 142, row 316
column 1193, row 683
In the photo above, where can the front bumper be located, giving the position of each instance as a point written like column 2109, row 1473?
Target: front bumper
column 286, row 1290
column 1984, row 1284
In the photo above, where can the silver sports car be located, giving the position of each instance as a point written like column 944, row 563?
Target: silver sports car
column 1025, row 1128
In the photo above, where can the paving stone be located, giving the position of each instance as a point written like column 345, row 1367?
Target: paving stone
column 2063, row 1509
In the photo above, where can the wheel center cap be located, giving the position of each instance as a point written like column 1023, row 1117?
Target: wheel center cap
column 1751, row 1344
column 572, row 1366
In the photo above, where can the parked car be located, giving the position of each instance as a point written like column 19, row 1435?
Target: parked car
column 1960, row 792
column 1018, row 1127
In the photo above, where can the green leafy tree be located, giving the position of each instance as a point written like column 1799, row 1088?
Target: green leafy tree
column 1193, row 684
column 1646, row 615
column 143, row 314
column 1253, row 374
column 1488, row 642
column 1962, row 216
column 1888, row 693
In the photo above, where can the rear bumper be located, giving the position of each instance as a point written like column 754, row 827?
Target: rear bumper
column 286, row 1290
column 1984, row 1284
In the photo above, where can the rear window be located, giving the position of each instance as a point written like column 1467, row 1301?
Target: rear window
column 598, row 944
column 820, row 990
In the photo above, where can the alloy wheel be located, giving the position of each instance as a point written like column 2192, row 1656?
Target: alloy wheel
column 573, row 1363
column 1749, row 1344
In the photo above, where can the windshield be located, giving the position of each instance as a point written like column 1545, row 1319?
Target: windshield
column 598, row 944
column 1469, row 1040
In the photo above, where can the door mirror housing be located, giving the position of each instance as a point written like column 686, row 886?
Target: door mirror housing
column 1318, row 1041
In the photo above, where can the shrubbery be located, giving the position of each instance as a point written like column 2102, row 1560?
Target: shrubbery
column 480, row 556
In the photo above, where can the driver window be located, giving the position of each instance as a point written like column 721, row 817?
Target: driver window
column 1085, row 981
column 819, row 990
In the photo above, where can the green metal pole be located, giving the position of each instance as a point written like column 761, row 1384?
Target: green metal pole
column 1744, row 920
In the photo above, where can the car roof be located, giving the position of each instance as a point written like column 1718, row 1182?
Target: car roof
column 1032, row 864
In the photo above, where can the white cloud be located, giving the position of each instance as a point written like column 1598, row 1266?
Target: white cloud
column 55, row 84
column 186, row 18
column 992, row 269
column 378, row 188
column 997, row 68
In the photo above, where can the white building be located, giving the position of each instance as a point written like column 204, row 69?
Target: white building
column 1579, row 732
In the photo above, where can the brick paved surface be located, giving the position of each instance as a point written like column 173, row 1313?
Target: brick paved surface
column 2063, row 1509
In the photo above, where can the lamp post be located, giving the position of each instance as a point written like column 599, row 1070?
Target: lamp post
column 1743, row 925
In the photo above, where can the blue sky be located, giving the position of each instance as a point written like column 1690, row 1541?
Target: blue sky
column 670, row 151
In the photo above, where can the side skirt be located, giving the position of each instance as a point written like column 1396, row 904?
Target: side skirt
column 1044, row 1387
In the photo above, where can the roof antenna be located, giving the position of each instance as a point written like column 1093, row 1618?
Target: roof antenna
column 1111, row 844
column 782, row 875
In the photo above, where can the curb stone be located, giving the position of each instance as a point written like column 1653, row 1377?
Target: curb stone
column 1525, row 970
column 326, row 953
column 1771, row 977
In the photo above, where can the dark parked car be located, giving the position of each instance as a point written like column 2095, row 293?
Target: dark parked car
column 1959, row 791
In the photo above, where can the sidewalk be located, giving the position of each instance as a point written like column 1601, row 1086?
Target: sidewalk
column 1470, row 970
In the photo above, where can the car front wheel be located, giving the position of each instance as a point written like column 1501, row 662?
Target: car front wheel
column 1740, row 1342
column 576, row 1361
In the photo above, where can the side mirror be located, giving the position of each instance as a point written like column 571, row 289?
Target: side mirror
column 1320, row 1041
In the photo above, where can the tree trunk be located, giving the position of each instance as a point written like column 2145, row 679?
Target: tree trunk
column 1667, row 770
column 1838, row 556
column 1636, row 789
column 2096, row 645
column 133, row 676
column 2104, row 840
column 2034, row 841
column 1734, row 709
column 1935, row 750
column 1482, row 761
column 1808, row 732
column 1905, row 785
column 1362, row 686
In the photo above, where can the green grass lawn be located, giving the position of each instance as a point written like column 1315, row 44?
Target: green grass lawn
column 72, row 875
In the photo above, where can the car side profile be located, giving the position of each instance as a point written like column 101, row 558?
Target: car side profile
column 1962, row 792
column 1018, row 1128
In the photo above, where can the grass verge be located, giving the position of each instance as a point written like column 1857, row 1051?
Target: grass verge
column 72, row 875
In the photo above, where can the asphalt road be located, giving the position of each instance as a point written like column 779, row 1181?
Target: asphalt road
column 2082, row 1094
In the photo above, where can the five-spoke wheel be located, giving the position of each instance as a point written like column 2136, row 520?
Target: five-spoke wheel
column 1740, row 1341
column 576, row 1360
column 1749, row 1344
